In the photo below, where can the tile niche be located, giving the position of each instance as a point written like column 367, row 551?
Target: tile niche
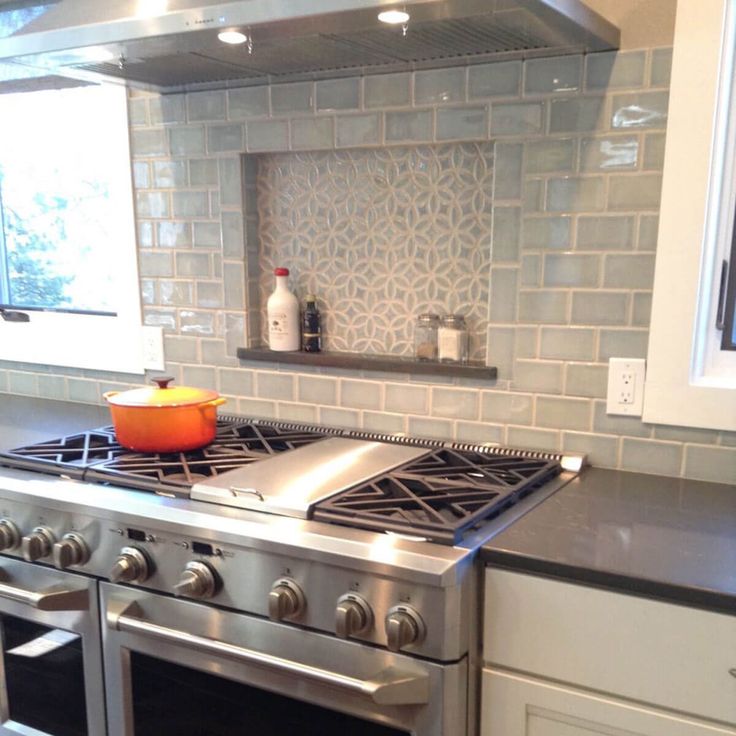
column 379, row 235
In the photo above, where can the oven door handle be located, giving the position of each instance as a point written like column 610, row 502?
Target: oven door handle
column 55, row 598
column 391, row 686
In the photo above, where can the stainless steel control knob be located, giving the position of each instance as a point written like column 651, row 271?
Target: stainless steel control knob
column 404, row 628
column 37, row 544
column 70, row 550
column 198, row 580
column 131, row 566
column 9, row 535
column 353, row 616
column 286, row 600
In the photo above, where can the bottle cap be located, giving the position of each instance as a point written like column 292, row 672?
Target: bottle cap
column 311, row 298
column 281, row 271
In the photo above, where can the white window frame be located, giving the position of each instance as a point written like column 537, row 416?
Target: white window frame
column 690, row 381
column 95, row 342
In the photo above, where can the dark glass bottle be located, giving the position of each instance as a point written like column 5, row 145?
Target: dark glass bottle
column 311, row 327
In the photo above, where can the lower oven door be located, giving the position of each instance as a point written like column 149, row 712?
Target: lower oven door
column 51, row 664
column 184, row 668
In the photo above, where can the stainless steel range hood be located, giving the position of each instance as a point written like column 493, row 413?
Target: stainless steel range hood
column 173, row 45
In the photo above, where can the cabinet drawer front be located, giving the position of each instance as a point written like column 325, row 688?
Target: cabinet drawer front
column 660, row 653
column 521, row 706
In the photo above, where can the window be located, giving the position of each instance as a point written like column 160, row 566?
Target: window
column 68, row 274
column 691, row 376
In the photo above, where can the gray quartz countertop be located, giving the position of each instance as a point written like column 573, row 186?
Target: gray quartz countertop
column 670, row 538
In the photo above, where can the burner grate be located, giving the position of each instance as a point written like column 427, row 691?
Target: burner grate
column 69, row 455
column 441, row 495
column 95, row 455
column 262, row 439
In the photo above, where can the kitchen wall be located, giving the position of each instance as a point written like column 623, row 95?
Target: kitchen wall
column 577, row 157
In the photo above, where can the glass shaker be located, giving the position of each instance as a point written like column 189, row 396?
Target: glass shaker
column 452, row 339
column 425, row 336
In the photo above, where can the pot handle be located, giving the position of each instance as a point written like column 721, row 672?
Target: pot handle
column 109, row 394
column 219, row 401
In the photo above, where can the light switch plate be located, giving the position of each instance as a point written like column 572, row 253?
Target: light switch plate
column 153, row 347
column 625, row 386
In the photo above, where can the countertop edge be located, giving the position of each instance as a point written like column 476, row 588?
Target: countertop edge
column 704, row 598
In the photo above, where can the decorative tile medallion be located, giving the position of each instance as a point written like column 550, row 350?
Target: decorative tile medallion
column 380, row 236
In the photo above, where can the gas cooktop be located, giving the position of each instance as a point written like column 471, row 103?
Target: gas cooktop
column 419, row 488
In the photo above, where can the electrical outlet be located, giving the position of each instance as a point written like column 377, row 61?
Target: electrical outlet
column 625, row 386
column 153, row 347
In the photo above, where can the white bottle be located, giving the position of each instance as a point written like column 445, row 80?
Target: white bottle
column 282, row 310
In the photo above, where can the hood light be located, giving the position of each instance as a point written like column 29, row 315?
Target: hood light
column 394, row 17
column 232, row 37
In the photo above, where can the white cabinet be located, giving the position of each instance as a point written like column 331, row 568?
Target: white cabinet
column 514, row 705
column 568, row 660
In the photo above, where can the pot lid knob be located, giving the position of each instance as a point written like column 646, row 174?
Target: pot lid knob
column 163, row 381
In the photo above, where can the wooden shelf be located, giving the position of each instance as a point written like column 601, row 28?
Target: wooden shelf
column 357, row 361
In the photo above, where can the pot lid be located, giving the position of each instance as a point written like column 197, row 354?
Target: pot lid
column 163, row 395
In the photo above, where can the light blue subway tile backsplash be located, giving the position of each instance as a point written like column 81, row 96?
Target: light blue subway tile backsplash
column 661, row 67
column 494, row 80
column 611, row 70
column 387, row 90
column 186, row 140
column 558, row 74
column 576, row 194
column 567, row 269
column 291, row 98
column 546, row 306
column 206, row 106
column 358, row 130
column 312, row 133
column 267, row 135
column 640, row 110
column 248, row 102
column 222, row 138
column 439, row 86
column 609, row 153
column 339, row 94
column 517, row 118
column 462, row 123
column 547, row 156
column 508, row 182
column 577, row 114
column 606, row 232
column 524, row 195
column 547, row 232
column 409, row 126
column 600, row 308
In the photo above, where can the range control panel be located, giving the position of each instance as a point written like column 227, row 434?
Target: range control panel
column 294, row 590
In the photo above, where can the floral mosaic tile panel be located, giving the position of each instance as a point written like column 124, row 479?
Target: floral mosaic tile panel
column 380, row 236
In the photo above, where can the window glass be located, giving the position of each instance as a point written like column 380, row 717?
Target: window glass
column 60, row 215
column 728, row 295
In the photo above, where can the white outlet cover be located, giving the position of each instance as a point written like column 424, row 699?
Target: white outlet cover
column 625, row 394
column 152, row 339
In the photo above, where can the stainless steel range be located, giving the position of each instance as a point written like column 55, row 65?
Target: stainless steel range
column 286, row 577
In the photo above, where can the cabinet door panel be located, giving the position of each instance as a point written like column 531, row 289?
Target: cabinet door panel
column 671, row 656
column 513, row 705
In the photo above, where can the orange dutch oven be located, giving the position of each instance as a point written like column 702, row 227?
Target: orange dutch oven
column 164, row 419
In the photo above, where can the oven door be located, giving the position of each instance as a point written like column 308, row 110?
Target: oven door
column 51, row 664
column 184, row 668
